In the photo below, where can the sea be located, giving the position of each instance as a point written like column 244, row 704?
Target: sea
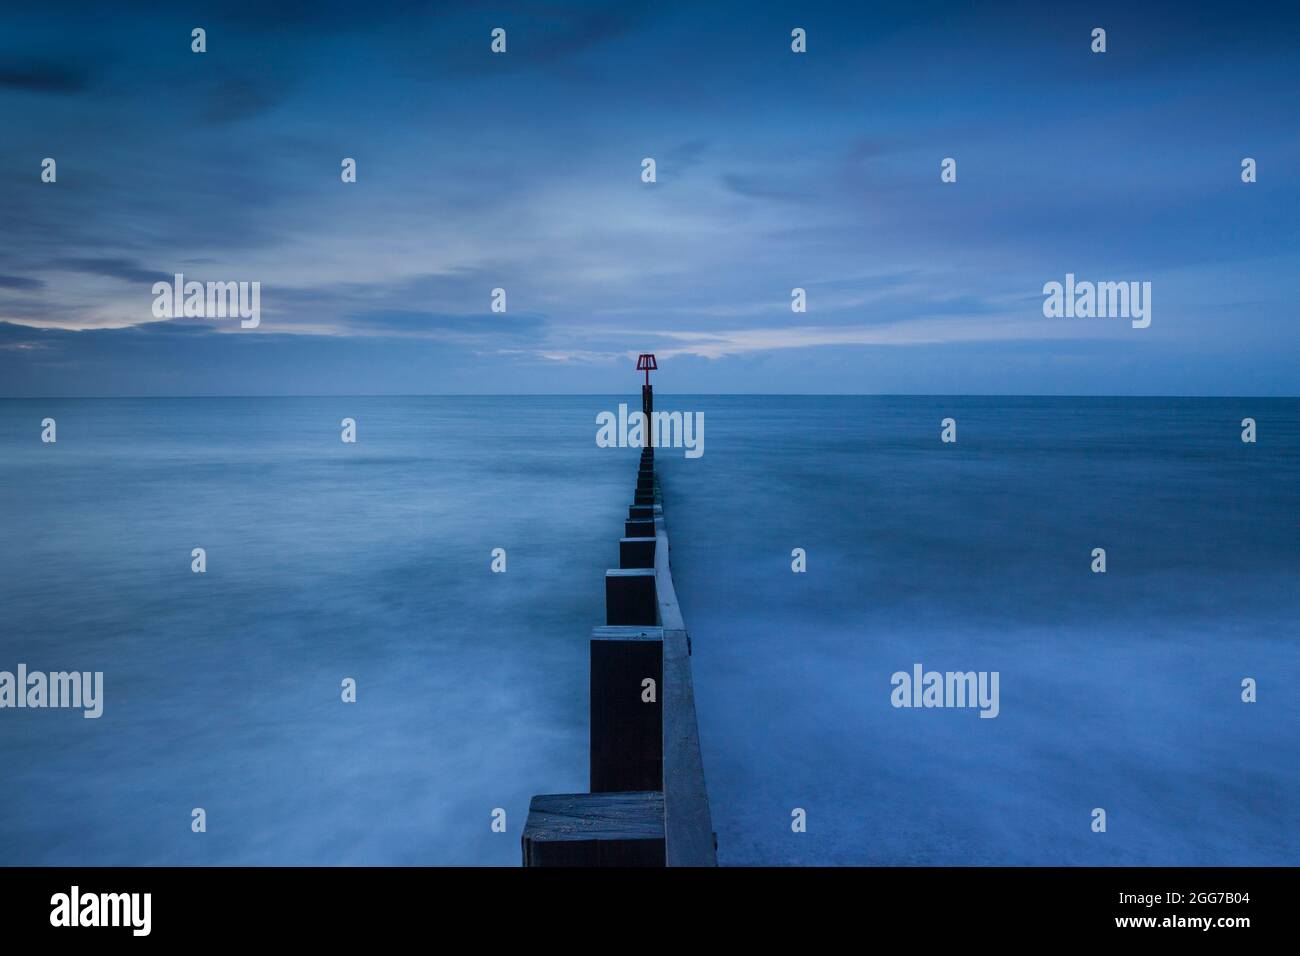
column 369, row 563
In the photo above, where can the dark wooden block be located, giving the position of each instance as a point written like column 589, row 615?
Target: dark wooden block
column 636, row 552
column 641, row 512
column 630, row 597
column 627, row 741
column 640, row 528
column 595, row 829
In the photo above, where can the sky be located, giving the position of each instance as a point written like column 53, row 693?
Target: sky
column 523, row 171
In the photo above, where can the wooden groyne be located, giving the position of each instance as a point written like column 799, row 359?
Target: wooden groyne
column 648, row 805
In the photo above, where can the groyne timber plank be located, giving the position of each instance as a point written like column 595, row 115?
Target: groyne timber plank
column 595, row 829
column 636, row 552
column 688, row 824
column 630, row 596
column 626, row 728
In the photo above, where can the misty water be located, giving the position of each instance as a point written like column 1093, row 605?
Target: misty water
column 371, row 560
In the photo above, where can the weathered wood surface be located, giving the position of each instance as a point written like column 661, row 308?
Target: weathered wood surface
column 630, row 596
column 595, row 829
column 636, row 552
column 688, row 824
column 644, row 628
column 626, row 728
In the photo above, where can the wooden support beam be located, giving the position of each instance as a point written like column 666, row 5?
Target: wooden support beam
column 688, row 823
column 595, row 829
column 636, row 552
column 630, row 597
column 626, row 714
column 641, row 528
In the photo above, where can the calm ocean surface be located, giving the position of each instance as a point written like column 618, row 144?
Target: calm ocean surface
column 371, row 561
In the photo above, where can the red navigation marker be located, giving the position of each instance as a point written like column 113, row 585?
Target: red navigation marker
column 646, row 362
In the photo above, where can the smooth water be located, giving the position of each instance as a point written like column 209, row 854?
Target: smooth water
column 1119, row 691
column 328, row 560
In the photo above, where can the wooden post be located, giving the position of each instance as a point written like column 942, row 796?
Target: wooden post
column 688, row 824
column 636, row 552
column 595, row 829
column 640, row 528
column 630, row 597
column 627, row 751
column 648, row 805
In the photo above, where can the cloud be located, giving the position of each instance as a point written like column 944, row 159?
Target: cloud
column 572, row 356
column 43, row 76
column 128, row 270
column 685, row 156
column 755, row 187
column 462, row 326
column 539, row 38
column 241, row 98
column 20, row 282
column 716, row 345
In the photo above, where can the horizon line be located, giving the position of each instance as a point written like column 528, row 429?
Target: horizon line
column 1142, row 395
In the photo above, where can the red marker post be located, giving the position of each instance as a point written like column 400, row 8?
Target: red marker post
column 645, row 362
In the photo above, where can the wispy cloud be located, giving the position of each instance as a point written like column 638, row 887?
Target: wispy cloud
column 44, row 76
column 113, row 267
column 917, row 332
column 23, row 283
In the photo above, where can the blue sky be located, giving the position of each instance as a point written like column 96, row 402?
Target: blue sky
column 775, row 170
